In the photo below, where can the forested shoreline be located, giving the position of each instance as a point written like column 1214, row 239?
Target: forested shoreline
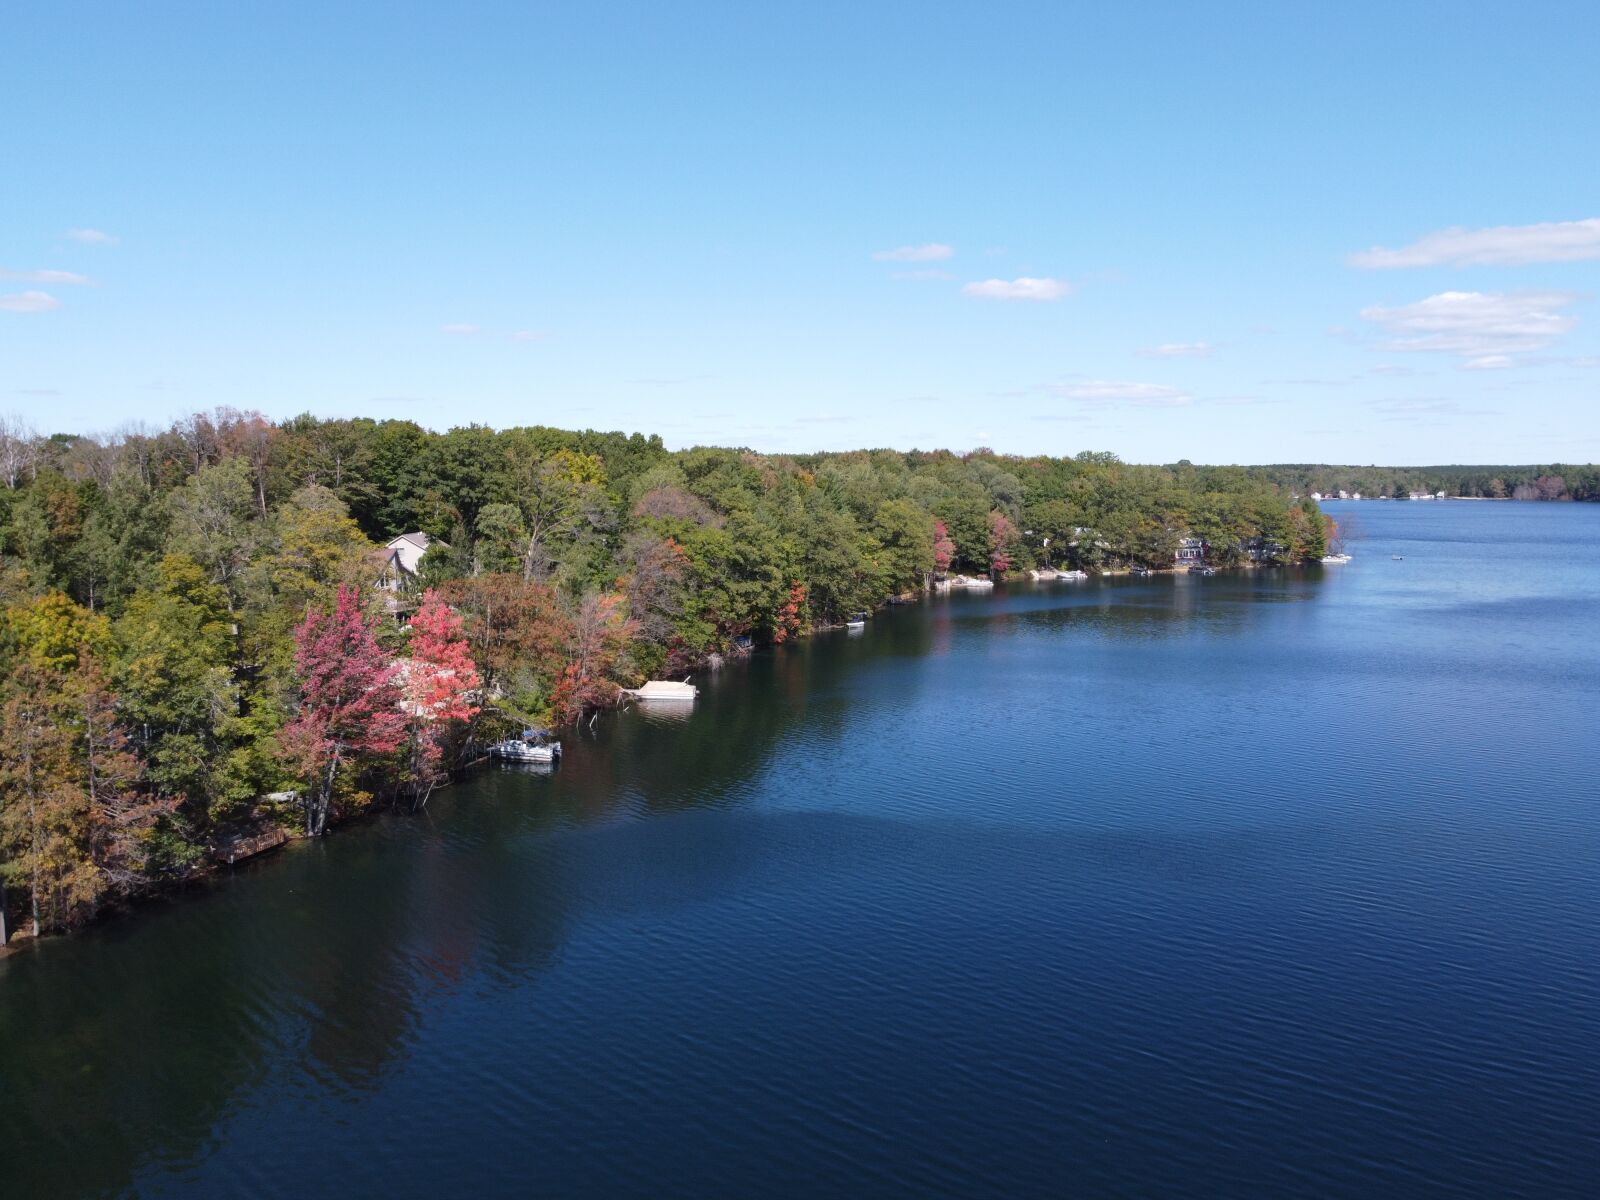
column 1549, row 481
column 194, row 646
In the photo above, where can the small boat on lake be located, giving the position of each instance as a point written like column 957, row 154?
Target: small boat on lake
column 665, row 689
column 534, row 746
column 858, row 621
column 1335, row 559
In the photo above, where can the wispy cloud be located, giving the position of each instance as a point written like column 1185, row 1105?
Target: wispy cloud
column 1178, row 350
column 28, row 302
column 460, row 329
column 68, row 278
column 670, row 381
column 928, row 252
column 1023, row 288
column 1417, row 408
column 922, row 276
column 1475, row 324
column 1240, row 399
column 1107, row 391
column 1490, row 362
column 529, row 335
column 93, row 237
column 1500, row 246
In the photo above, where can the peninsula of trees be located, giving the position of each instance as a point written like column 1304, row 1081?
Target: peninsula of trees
column 194, row 645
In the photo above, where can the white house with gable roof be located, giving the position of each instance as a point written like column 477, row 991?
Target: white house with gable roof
column 400, row 560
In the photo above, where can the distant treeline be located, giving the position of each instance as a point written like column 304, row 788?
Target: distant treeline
column 194, row 645
column 1552, row 481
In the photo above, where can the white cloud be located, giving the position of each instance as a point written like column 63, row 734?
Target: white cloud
column 1476, row 325
column 1501, row 246
column 1178, row 350
column 28, row 302
column 529, row 335
column 95, row 237
column 1489, row 362
column 1106, row 391
column 462, row 330
column 57, row 277
column 929, row 252
column 1018, row 289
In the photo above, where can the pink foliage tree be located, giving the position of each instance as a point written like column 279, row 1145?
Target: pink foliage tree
column 440, row 685
column 944, row 548
column 350, row 704
column 1002, row 536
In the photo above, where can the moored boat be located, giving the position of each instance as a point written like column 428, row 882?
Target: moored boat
column 665, row 689
column 534, row 746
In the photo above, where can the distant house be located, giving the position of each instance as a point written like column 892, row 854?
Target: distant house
column 401, row 558
column 1190, row 550
column 1260, row 549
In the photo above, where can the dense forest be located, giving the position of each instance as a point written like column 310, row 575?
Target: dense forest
column 1553, row 481
column 194, row 646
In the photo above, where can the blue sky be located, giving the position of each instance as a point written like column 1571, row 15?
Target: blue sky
column 1220, row 232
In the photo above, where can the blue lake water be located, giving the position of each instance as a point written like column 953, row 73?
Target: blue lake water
column 1275, row 883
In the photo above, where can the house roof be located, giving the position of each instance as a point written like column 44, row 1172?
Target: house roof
column 420, row 540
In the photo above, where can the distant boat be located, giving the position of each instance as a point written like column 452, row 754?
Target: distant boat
column 534, row 746
column 1336, row 559
column 1141, row 572
column 859, row 621
column 1397, row 557
column 1072, row 574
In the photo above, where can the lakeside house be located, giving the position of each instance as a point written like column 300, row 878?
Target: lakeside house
column 400, row 560
column 1261, row 549
column 1191, row 551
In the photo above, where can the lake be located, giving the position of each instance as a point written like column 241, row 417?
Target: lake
column 1275, row 883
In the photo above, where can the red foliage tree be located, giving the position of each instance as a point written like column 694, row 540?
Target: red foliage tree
column 1002, row 536
column 439, row 685
column 789, row 618
column 944, row 547
column 600, row 633
column 350, row 704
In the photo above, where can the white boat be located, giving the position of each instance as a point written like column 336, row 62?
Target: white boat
column 859, row 621
column 972, row 583
column 1335, row 559
column 665, row 689
column 1072, row 574
column 534, row 746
